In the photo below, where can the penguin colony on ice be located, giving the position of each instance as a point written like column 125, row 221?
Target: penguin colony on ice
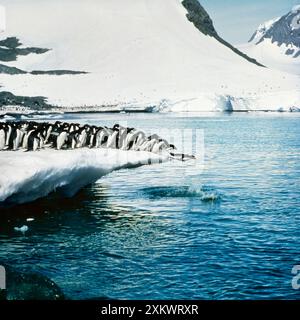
column 33, row 136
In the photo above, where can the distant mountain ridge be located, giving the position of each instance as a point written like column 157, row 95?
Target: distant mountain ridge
column 282, row 31
column 276, row 43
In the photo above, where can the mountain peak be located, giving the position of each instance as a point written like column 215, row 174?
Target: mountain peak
column 296, row 8
column 261, row 30
column 281, row 31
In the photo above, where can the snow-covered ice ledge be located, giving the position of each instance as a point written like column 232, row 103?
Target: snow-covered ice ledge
column 25, row 177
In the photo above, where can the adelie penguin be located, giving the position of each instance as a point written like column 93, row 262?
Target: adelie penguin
column 33, row 136
column 2, row 137
column 61, row 140
column 33, row 141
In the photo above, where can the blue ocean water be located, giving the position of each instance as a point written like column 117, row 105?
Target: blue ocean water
column 227, row 230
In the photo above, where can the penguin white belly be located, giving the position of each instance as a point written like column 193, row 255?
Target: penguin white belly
column 100, row 143
column 35, row 144
column 158, row 147
column 151, row 144
column 8, row 135
column 127, row 141
column 25, row 140
column 41, row 143
column 140, row 141
column 155, row 148
column 111, row 141
column 82, row 139
column 48, row 134
column 61, row 140
column 74, row 142
column 17, row 140
column 2, row 139
column 143, row 146
column 98, row 139
column 92, row 139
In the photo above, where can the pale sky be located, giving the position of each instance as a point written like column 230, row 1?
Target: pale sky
column 236, row 20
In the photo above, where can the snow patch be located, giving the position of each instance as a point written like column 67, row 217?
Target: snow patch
column 296, row 8
column 274, row 56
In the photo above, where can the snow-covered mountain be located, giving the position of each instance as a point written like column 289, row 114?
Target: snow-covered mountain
column 277, row 42
column 130, row 54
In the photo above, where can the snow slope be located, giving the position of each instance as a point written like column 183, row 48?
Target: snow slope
column 2, row 19
column 273, row 56
column 28, row 176
column 276, row 43
column 137, row 52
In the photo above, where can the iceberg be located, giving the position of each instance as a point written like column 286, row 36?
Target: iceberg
column 27, row 176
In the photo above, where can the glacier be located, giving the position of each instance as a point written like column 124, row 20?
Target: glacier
column 137, row 54
column 27, row 176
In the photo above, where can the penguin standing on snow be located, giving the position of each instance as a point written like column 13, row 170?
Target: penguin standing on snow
column 48, row 130
column 140, row 139
column 2, row 137
column 128, row 142
column 82, row 138
column 41, row 136
column 7, row 134
column 103, row 138
column 33, row 136
column 20, row 136
column 112, row 140
column 12, row 137
column 159, row 146
column 94, row 140
column 91, row 136
column 61, row 140
column 17, row 140
column 72, row 139
column 148, row 144
column 33, row 141
column 26, row 138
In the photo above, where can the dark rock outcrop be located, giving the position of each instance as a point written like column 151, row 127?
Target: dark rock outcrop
column 202, row 21
column 285, row 30
column 29, row 286
column 36, row 103
column 10, row 70
column 10, row 49
column 57, row 72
